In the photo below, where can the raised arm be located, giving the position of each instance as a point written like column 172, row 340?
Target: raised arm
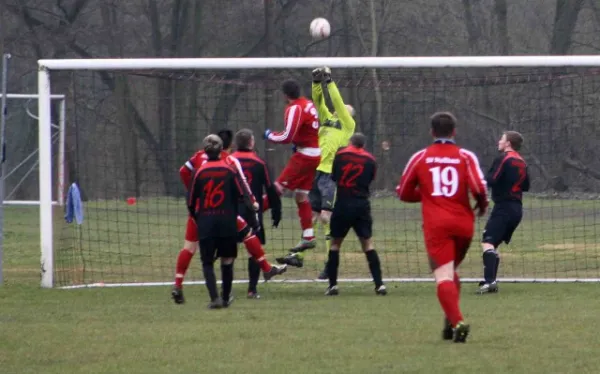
column 292, row 118
column 345, row 117
column 319, row 101
column 408, row 188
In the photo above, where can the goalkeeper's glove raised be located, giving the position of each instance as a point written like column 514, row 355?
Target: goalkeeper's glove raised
column 266, row 134
column 326, row 74
column 317, row 75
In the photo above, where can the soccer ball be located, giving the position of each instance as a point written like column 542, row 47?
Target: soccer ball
column 319, row 28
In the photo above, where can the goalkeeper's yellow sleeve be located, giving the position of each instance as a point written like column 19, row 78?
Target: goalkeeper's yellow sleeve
column 319, row 101
column 346, row 120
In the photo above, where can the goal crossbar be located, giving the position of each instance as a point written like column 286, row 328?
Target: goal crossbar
column 47, row 65
column 311, row 62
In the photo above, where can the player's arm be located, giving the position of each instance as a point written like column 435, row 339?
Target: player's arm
column 244, row 182
column 186, row 173
column 241, row 193
column 525, row 185
column 408, row 188
column 292, row 118
column 476, row 181
column 345, row 117
column 319, row 101
column 194, row 194
column 496, row 171
column 273, row 197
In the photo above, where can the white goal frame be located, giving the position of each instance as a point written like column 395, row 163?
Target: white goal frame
column 44, row 100
column 60, row 185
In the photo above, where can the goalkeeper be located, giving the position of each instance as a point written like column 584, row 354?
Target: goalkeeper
column 334, row 132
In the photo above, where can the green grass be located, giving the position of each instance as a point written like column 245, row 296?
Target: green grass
column 526, row 328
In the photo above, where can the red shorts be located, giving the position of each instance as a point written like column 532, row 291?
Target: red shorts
column 191, row 231
column 443, row 247
column 299, row 173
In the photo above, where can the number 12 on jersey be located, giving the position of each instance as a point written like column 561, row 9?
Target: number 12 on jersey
column 445, row 181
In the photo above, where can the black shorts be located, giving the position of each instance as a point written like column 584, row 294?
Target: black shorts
column 322, row 193
column 352, row 214
column 213, row 248
column 503, row 222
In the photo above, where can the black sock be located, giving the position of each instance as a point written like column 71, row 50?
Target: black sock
column 211, row 281
column 497, row 266
column 227, row 278
column 375, row 267
column 333, row 262
column 489, row 265
column 253, row 274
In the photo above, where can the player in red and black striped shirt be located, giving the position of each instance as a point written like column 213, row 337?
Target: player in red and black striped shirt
column 508, row 178
column 252, row 243
column 353, row 172
column 259, row 180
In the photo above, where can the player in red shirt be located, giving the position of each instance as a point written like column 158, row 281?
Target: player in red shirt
column 190, row 245
column 441, row 177
column 302, row 130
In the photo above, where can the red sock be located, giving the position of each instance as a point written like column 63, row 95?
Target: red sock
column 457, row 283
column 305, row 214
column 265, row 203
column 448, row 297
column 183, row 262
column 257, row 252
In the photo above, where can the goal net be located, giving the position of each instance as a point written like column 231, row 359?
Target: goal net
column 135, row 122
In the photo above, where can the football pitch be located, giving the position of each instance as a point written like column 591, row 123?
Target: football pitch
column 526, row 328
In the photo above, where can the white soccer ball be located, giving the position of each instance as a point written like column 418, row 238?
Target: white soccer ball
column 320, row 28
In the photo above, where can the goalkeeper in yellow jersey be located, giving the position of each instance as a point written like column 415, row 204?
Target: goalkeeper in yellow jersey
column 334, row 132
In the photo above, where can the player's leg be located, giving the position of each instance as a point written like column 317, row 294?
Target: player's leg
column 462, row 244
column 227, row 251
column 296, row 259
column 340, row 226
column 515, row 217
column 363, row 227
column 327, row 191
column 441, row 253
column 208, row 250
column 298, row 176
column 493, row 235
column 254, row 269
column 256, row 250
column 190, row 246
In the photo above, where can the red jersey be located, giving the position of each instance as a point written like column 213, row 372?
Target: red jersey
column 441, row 177
column 301, row 127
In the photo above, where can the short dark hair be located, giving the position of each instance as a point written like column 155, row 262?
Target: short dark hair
column 226, row 136
column 358, row 140
column 212, row 145
column 515, row 139
column 443, row 124
column 291, row 88
column 243, row 138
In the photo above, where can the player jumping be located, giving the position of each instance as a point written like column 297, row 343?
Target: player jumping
column 190, row 246
column 353, row 171
column 301, row 129
column 508, row 179
column 215, row 192
column 334, row 133
column 441, row 177
column 258, row 178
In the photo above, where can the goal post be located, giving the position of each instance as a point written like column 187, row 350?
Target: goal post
column 413, row 88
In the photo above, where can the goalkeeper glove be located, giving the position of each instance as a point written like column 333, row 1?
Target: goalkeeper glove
column 326, row 74
column 317, row 75
column 266, row 134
